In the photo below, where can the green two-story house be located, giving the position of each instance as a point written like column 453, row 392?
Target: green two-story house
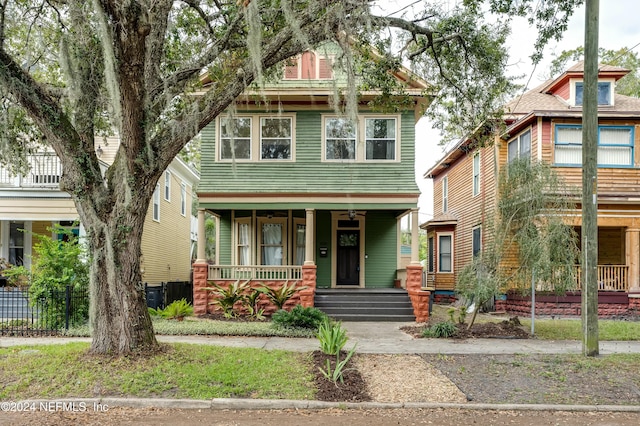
column 304, row 194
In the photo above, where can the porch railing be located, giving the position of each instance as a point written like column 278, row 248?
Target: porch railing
column 45, row 170
column 610, row 277
column 254, row 272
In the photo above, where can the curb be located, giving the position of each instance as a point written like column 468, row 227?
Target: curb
column 285, row 404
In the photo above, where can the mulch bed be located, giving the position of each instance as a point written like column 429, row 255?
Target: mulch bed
column 353, row 389
column 507, row 329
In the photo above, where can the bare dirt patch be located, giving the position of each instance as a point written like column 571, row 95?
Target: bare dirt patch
column 507, row 329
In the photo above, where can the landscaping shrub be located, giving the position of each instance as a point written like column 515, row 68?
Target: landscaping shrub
column 299, row 317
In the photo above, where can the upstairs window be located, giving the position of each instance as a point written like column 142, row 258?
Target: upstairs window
column 308, row 66
column 258, row 137
column 476, row 174
column 235, row 138
column 380, row 135
column 340, row 139
column 520, row 146
column 604, row 93
column 445, row 194
column 615, row 146
column 167, row 186
column 183, row 199
column 156, row 203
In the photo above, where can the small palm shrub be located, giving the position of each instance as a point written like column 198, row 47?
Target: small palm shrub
column 177, row 309
column 281, row 295
column 227, row 297
column 299, row 317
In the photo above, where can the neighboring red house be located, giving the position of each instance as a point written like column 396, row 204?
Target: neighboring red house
column 545, row 124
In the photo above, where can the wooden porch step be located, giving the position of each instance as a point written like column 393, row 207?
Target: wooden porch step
column 365, row 304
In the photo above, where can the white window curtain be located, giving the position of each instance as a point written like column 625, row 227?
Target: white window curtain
column 272, row 248
column 300, row 243
column 243, row 244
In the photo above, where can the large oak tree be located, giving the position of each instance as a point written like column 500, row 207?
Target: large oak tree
column 73, row 69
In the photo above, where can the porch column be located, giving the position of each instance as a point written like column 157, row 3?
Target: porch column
column 633, row 258
column 201, row 254
column 415, row 238
column 308, row 237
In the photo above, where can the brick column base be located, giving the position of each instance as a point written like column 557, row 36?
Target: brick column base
column 200, row 295
column 419, row 298
column 309, row 281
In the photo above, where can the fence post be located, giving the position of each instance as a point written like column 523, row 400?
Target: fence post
column 67, row 307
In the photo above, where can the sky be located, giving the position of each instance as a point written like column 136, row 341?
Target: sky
column 618, row 28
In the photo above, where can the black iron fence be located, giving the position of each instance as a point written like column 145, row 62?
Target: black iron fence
column 24, row 312
column 159, row 296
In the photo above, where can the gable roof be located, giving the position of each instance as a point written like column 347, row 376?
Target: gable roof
column 543, row 101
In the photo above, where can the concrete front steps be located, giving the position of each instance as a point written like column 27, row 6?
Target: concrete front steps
column 358, row 304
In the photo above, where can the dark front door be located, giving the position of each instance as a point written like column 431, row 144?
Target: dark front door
column 348, row 257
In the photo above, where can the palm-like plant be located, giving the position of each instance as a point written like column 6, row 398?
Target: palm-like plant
column 280, row 295
column 227, row 297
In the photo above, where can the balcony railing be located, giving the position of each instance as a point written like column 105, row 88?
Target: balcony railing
column 45, row 170
column 610, row 277
column 254, row 272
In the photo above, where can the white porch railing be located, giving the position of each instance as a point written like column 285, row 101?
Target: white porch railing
column 45, row 170
column 254, row 272
column 610, row 277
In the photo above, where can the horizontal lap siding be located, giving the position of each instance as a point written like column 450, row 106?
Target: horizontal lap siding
column 381, row 248
column 308, row 174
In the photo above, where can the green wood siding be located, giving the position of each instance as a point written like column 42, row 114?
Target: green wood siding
column 381, row 248
column 224, row 245
column 308, row 174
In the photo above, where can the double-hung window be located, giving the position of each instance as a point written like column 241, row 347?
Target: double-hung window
column 340, row 139
column 445, row 252
column 275, row 138
column 476, row 174
column 235, row 138
column 156, row 203
column 167, row 185
column 367, row 139
column 445, row 194
column 380, row 136
column 272, row 241
column 520, row 146
column 615, row 145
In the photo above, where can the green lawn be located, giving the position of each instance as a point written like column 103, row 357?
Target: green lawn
column 182, row 371
column 571, row 329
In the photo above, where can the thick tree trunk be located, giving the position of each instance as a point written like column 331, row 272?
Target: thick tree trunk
column 119, row 316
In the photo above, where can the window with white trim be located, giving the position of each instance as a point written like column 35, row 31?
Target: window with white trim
column 308, row 66
column 380, row 138
column 604, row 93
column 243, row 241
column 430, row 259
column 476, row 241
column 445, row 194
column 615, row 146
column 272, row 241
column 476, row 173
column 258, row 137
column 299, row 238
column 156, row 203
column 372, row 138
column 445, row 253
column 167, row 185
column 183, row 199
column 520, row 146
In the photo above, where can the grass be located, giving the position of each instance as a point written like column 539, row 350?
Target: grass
column 182, row 371
column 571, row 329
column 205, row 327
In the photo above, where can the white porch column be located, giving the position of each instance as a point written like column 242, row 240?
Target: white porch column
column 201, row 255
column 415, row 238
column 308, row 237
column 633, row 258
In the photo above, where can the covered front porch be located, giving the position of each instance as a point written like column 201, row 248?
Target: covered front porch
column 334, row 248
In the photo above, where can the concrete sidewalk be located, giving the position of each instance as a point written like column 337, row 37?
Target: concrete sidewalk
column 376, row 337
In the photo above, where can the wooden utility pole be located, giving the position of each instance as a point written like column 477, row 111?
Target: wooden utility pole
column 590, row 345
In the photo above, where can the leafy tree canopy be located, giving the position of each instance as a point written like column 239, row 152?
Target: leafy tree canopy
column 73, row 69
